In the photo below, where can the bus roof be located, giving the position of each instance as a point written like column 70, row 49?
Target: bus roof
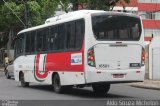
column 73, row 14
column 67, row 17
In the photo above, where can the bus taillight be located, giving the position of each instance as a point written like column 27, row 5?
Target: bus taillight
column 91, row 58
column 143, row 57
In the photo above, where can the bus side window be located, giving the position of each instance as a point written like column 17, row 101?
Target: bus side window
column 27, row 42
column 53, row 38
column 19, row 46
column 42, row 40
column 71, row 36
column 61, row 36
column 75, row 34
column 68, row 32
column 39, row 41
column 47, row 45
column 79, row 33
column 32, row 41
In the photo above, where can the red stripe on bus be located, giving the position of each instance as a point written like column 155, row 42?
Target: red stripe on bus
column 61, row 61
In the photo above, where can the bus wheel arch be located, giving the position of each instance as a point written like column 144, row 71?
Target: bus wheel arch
column 22, row 80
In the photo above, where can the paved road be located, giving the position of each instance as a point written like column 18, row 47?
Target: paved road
column 10, row 89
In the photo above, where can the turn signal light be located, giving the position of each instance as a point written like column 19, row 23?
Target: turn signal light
column 143, row 57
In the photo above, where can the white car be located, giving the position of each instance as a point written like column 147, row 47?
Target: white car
column 9, row 70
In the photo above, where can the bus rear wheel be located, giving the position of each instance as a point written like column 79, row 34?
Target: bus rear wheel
column 23, row 83
column 57, row 84
column 101, row 89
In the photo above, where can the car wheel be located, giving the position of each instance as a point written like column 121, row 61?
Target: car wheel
column 7, row 74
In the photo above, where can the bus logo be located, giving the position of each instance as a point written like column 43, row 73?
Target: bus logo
column 40, row 77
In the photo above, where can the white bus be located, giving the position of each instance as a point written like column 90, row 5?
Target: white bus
column 86, row 47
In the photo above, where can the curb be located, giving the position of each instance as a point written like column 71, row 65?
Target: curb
column 147, row 84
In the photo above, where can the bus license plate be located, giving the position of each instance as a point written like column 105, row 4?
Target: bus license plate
column 118, row 75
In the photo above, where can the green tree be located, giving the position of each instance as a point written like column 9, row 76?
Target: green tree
column 105, row 4
column 49, row 8
column 8, row 20
column 19, row 14
column 33, row 13
column 91, row 4
column 64, row 4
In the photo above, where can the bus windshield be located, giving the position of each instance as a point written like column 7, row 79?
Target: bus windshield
column 116, row 27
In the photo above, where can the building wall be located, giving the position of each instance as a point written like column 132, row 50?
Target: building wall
column 133, row 3
column 132, row 7
column 149, row 10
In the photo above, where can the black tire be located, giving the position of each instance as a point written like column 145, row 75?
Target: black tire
column 101, row 89
column 7, row 74
column 23, row 83
column 56, row 83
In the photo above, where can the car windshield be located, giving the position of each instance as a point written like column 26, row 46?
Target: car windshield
column 116, row 27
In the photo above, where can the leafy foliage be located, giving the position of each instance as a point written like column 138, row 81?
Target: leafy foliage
column 19, row 14
column 91, row 4
column 104, row 4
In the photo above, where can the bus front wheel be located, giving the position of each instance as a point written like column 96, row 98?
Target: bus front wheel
column 23, row 83
column 101, row 89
